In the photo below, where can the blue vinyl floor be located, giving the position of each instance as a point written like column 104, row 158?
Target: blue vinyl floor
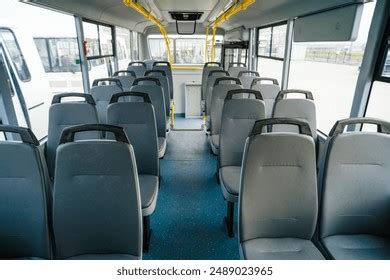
column 188, row 220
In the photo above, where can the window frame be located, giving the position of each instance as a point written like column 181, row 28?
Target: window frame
column 270, row 45
column 113, row 40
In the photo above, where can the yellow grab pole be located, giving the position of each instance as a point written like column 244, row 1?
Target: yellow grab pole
column 206, row 52
column 213, row 44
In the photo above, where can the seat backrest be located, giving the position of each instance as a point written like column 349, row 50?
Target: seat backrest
column 296, row 108
column 96, row 201
column 356, row 189
column 165, row 66
column 209, row 66
column 102, row 90
column 213, row 75
column 138, row 67
column 235, row 68
column 246, row 77
column 268, row 90
column 152, row 87
column 126, row 77
column 24, row 198
column 161, row 75
column 139, row 123
column 238, row 117
column 65, row 114
column 221, row 87
column 278, row 189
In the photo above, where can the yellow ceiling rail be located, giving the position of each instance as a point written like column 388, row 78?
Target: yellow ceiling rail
column 140, row 9
column 231, row 11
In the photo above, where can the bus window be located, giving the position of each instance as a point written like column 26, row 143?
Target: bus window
column 330, row 70
column 135, row 45
column 189, row 51
column 123, row 47
column 43, row 53
column 270, row 52
column 16, row 55
column 158, row 50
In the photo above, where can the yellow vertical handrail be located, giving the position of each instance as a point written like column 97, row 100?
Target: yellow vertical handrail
column 206, row 52
column 140, row 9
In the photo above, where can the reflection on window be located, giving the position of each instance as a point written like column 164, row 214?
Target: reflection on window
column 189, row 51
column 59, row 54
column 95, row 34
column 378, row 105
column 330, row 70
column 123, row 47
column 16, row 55
column 386, row 66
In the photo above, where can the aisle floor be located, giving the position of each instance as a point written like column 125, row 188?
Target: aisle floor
column 188, row 221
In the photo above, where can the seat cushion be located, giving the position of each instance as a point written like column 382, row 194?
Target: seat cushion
column 280, row 249
column 214, row 142
column 104, row 257
column 162, row 146
column 230, row 182
column 148, row 185
column 358, row 246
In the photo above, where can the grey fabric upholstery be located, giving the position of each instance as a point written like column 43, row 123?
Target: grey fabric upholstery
column 126, row 81
column 102, row 95
column 139, row 70
column 157, row 96
column 269, row 93
column 235, row 70
column 275, row 166
column 205, row 76
column 296, row 108
column 168, row 72
column 24, row 202
column 209, row 89
column 96, row 206
column 162, row 146
column 149, row 63
column 280, row 249
column 166, row 90
column 355, row 220
column 238, row 118
column 138, row 121
column 104, row 257
column 247, row 78
column 62, row 115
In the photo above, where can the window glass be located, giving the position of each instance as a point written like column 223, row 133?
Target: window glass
column 16, row 55
column 64, row 55
column 43, row 53
column 270, row 68
column 100, row 68
column 106, row 42
column 158, row 49
column 123, row 47
column 386, row 66
column 135, row 45
column 189, row 51
column 278, row 40
column 264, row 43
column 330, row 70
column 91, row 36
column 378, row 105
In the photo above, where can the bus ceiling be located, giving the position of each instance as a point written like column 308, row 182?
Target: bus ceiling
column 261, row 13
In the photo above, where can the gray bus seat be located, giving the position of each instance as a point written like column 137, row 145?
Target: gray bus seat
column 269, row 91
column 278, row 194
column 102, row 90
column 96, row 203
column 247, row 77
column 166, row 67
column 138, row 67
column 355, row 216
column 126, row 77
column 209, row 66
column 24, row 198
column 65, row 114
column 238, row 118
column 162, row 76
column 152, row 87
column 220, row 89
column 235, row 68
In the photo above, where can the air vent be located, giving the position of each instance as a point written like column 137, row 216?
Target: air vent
column 186, row 16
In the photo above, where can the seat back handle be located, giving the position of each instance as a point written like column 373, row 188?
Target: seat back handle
column 247, row 72
column 257, row 80
column 304, row 127
column 68, row 133
column 127, row 72
column 115, row 97
column 137, row 63
column 58, row 97
column 146, row 79
column 340, row 125
column 151, row 72
column 237, row 63
column 256, row 93
column 26, row 135
column 212, row 72
column 219, row 80
column 283, row 93
column 107, row 80
column 212, row 63
column 166, row 63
